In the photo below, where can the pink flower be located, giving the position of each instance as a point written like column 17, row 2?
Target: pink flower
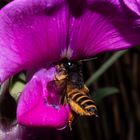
column 36, row 33
column 133, row 5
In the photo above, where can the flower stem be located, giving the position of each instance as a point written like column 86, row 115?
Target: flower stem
column 104, row 67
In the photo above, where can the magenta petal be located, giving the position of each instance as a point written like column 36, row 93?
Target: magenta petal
column 133, row 5
column 32, row 32
column 97, row 31
column 35, row 107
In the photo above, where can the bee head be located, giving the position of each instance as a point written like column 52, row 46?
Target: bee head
column 72, row 66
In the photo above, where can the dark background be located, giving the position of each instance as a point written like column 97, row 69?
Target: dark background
column 119, row 114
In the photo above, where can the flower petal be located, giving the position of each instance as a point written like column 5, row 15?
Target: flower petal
column 32, row 32
column 100, row 29
column 133, row 5
column 39, row 106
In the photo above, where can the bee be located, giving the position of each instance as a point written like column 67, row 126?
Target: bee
column 76, row 93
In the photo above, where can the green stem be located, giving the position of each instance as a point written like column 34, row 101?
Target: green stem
column 104, row 67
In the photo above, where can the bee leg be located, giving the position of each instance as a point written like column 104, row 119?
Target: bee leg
column 61, row 73
column 71, row 118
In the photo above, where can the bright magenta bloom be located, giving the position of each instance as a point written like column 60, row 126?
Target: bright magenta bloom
column 133, row 5
column 36, row 33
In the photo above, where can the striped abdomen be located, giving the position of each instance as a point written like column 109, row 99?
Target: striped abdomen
column 81, row 103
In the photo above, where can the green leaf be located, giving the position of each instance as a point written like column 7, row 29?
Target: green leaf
column 105, row 66
column 101, row 93
column 17, row 84
column 16, row 89
column 22, row 77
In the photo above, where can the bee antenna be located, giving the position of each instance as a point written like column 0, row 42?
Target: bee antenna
column 88, row 59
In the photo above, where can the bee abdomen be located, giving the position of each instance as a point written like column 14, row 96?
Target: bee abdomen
column 82, row 104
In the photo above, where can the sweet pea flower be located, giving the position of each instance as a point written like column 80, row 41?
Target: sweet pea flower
column 35, row 34
column 133, row 5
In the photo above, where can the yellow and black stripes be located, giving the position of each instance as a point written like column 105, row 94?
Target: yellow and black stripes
column 81, row 103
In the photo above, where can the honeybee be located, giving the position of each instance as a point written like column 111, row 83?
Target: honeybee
column 76, row 94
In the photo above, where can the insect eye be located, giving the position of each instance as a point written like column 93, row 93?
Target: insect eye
column 69, row 64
